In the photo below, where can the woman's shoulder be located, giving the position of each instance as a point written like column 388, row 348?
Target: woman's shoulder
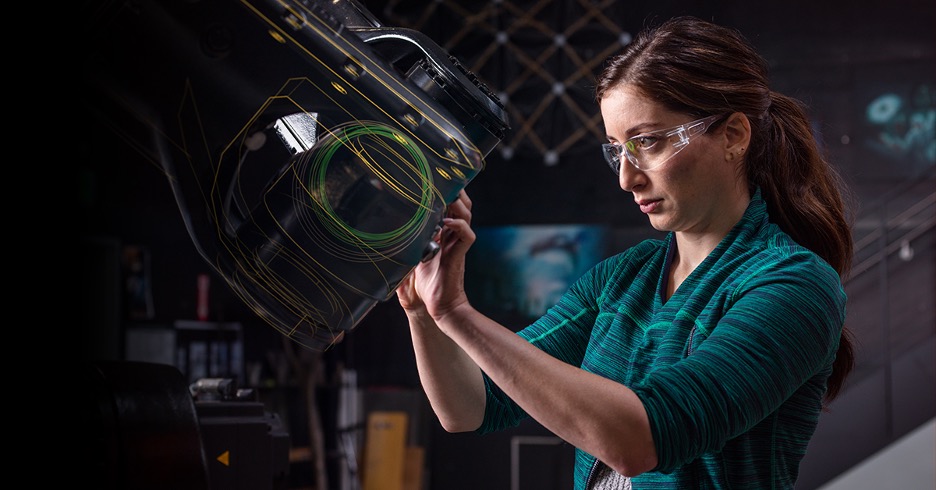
column 781, row 248
column 777, row 256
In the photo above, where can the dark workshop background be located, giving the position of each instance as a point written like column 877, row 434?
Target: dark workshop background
column 865, row 69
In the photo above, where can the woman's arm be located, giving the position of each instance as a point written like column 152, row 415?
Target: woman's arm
column 454, row 342
column 593, row 413
column 451, row 380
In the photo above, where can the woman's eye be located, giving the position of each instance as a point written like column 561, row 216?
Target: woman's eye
column 645, row 142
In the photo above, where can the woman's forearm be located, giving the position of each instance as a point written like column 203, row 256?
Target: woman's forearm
column 593, row 413
column 451, row 380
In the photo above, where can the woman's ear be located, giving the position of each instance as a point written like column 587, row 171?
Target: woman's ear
column 737, row 135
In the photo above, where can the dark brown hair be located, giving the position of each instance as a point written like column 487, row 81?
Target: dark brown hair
column 698, row 68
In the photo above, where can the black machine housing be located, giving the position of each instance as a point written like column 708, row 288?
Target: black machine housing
column 311, row 150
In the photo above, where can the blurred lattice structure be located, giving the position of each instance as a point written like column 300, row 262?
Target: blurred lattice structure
column 541, row 57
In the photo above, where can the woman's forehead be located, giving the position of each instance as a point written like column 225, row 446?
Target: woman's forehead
column 627, row 111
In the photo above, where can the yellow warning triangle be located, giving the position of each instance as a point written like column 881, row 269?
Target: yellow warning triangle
column 225, row 458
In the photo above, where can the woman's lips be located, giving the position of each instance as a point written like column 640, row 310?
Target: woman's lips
column 648, row 206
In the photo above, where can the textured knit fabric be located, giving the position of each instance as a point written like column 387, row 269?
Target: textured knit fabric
column 607, row 479
column 731, row 369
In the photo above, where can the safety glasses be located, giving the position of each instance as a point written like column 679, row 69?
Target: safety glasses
column 650, row 150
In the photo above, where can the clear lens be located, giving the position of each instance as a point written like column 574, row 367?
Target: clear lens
column 650, row 150
column 612, row 155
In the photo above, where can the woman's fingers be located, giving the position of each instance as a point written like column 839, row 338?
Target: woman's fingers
column 461, row 207
column 463, row 197
column 457, row 236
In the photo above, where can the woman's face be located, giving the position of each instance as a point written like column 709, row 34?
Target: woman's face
column 697, row 190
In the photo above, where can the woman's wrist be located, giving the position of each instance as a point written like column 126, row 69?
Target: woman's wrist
column 418, row 314
column 452, row 314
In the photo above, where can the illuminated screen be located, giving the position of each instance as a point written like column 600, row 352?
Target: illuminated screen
column 515, row 273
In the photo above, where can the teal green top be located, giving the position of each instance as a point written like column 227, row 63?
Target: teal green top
column 731, row 369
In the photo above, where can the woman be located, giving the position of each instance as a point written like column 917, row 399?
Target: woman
column 701, row 360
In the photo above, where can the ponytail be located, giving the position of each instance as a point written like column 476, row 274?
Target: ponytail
column 806, row 197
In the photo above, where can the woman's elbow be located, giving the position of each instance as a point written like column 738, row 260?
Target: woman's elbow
column 633, row 463
column 459, row 421
column 458, row 425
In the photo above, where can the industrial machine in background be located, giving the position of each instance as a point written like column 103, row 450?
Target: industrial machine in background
column 148, row 429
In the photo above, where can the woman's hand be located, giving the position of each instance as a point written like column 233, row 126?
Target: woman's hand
column 438, row 284
column 406, row 294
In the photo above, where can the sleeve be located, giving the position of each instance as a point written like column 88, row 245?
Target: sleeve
column 781, row 327
column 562, row 332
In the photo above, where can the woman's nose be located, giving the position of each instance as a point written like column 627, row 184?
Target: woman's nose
column 630, row 176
